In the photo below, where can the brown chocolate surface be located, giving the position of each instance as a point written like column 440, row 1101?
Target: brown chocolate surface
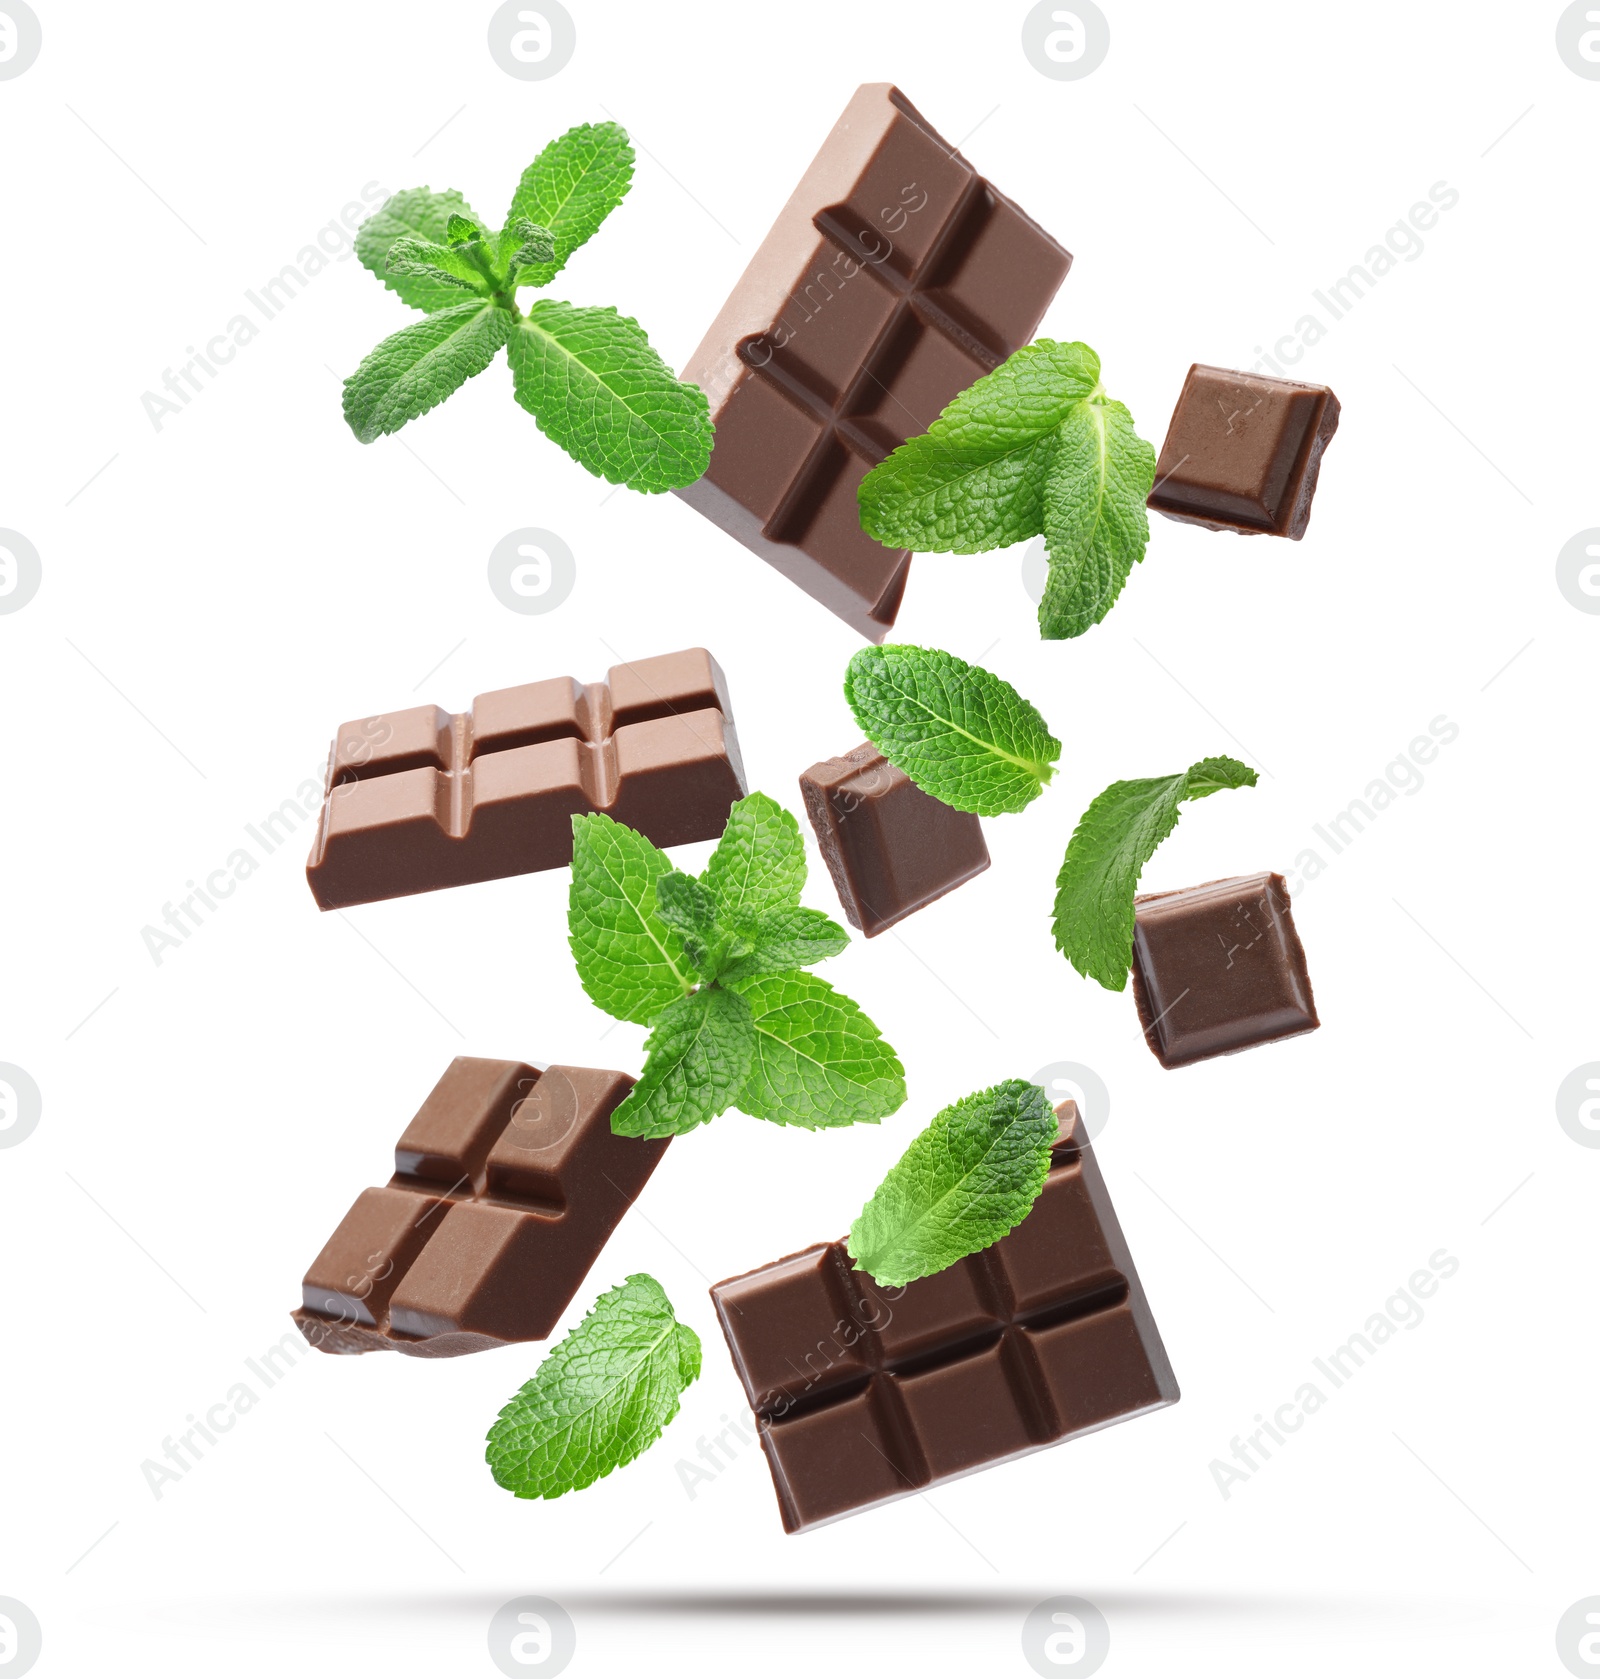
column 864, row 1394
column 1219, row 968
column 417, row 799
column 894, row 277
column 1243, row 452
column 507, row 1185
column 889, row 846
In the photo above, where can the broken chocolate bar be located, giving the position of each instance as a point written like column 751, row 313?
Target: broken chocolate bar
column 864, row 1394
column 417, row 800
column 507, row 1185
column 1243, row 452
column 890, row 847
column 895, row 277
column 1219, row 968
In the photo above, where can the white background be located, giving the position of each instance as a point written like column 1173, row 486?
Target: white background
column 219, row 594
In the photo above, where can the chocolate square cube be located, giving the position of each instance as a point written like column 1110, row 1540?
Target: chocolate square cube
column 1219, row 968
column 889, row 847
column 1243, row 452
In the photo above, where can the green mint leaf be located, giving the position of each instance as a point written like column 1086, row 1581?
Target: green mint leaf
column 760, row 861
column 1217, row 775
column 595, row 386
column 782, row 940
column 1115, row 837
column 966, row 1180
column 1095, row 523
column 688, row 907
column 421, row 365
column 819, row 1061
column 569, row 189
column 963, row 735
column 602, row 1395
column 421, row 215
column 697, row 1060
column 459, row 229
column 975, row 479
column 629, row 961
column 534, row 244
column 443, row 263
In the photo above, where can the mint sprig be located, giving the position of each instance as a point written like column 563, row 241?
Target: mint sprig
column 1115, row 837
column 589, row 376
column 1034, row 447
column 965, row 1181
column 960, row 732
column 602, row 1395
column 715, row 966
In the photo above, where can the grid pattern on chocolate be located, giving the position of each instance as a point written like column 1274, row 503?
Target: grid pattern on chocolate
column 845, row 415
column 864, row 1394
column 508, row 1183
column 417, row 800
column 894, row 278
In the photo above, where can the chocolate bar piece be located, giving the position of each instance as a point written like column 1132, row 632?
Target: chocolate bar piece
column 418, row 799
column 889, row 846
column 895, row 277
column 1243, row 452
column 863, row 1394
column 507, row 1185
column 1219, row 968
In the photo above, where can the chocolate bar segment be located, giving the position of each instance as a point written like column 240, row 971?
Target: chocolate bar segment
column 895, row 277
column 864, row 1394
column 1243, row 452
column 507, row 1185
column 1219, row 968
column 890, row 847
column 417, row 799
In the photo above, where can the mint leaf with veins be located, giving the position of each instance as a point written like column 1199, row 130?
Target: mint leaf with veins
column 819, row 1061
column 421, row 365
column 1095, row 524
column 603, row 1394
column 593, row 383
column 760, row 861
column 783, row 940
column 961, row 733
column 1115, row 837
column 966, row 1180
column 588, row 375
column 444, row 264
column 629, row 960
column 570, row 188
column 715, row 967
column 698, row 1057
column 975, row 479
column 419, row 214
column 1033, row 448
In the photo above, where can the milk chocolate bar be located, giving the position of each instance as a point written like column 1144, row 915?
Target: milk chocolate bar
column 890, row 847
column 418, row 799
column 507, row 1185
column 1219, row 968
column 1243, row 452
column 864, row 1394
column 895, row 277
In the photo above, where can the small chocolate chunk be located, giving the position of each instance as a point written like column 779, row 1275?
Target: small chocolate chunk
column 1243, row 452
column 890, row 847
column 1219, row 968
